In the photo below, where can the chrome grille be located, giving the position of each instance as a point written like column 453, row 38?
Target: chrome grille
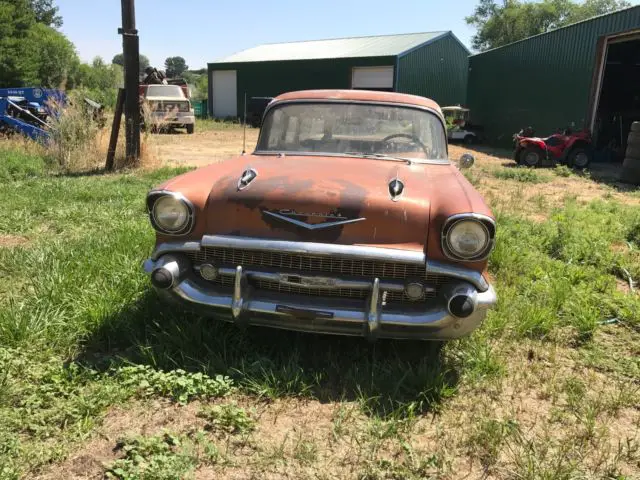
column 347, row 267
column 389, row 298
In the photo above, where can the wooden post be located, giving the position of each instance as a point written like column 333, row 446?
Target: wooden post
column 115, row 130
column 131, row 51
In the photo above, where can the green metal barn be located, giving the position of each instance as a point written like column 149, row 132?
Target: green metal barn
column 585, row 75
column 430, row 64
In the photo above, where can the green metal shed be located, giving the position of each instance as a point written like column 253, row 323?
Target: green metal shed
column 432, row 64
column 579, row 76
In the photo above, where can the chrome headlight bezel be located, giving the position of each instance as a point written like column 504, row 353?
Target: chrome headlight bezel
column 152, row 199
column 487, row 223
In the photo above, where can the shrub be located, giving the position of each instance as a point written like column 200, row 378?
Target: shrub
column 74, row 136
column 230, row 418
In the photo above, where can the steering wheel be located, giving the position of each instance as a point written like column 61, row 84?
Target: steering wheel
column 387, row 139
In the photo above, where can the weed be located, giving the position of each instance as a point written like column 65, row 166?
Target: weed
column 479, row 361
column 419, row 469
column 488, row 438
column 291, row 380
column 305, row 451
column 563, row 171
column 177, row 384
column 74, row 136
column 521, row 174
column 472, row 176
column 341, row 419
column 229, row 418
column 162, row 457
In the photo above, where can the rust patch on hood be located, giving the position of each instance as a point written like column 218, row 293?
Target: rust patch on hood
column 316, row 187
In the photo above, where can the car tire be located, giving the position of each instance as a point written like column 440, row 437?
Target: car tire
column 580, row 158
column 531, row 157
column 633, row 151
column 191, row 129
column 630, row 172
column 469, row 139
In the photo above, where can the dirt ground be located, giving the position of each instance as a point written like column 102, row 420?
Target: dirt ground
column 202, row 148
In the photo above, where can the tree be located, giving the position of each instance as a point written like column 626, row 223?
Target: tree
column 17, row 64
column 497, row 25
column 119, row 60
column 99, row 80
column 175, row 66
column 46, row 13
column 55, row 55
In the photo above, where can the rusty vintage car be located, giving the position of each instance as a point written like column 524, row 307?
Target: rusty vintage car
column 348, row 218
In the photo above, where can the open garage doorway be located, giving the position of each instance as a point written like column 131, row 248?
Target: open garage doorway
column 618, row 98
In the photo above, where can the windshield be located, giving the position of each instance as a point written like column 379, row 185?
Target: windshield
column 350, row 128
column 171, row 91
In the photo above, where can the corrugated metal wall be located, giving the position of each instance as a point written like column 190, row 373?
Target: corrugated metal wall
column 544, row 81
column 269, row 79
column 437, row 70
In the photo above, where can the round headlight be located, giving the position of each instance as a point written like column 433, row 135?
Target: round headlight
column 468, row 239
column 171, row 214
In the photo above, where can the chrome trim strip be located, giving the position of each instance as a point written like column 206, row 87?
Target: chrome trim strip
column 334, row 284
column 237, row 303
column 154, row 195
column 164, row 248
column 317, row 249
column 308, row 226
column 461, row 273
column 373, row 316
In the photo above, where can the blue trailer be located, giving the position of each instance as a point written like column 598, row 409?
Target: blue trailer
column 25, row 110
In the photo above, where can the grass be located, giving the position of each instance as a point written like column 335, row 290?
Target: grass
column 521, row 174
column 81, row 333
column 209, row 124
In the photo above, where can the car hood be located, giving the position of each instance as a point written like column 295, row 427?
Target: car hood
column 291, row 195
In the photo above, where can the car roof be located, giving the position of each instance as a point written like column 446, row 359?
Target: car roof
column 360, row 96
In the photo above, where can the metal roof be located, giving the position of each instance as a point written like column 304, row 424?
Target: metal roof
column 354, row 47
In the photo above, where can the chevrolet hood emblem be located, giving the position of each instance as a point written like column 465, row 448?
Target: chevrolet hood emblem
column 303, row 219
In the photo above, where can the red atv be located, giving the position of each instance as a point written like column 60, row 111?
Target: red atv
column 572, row 149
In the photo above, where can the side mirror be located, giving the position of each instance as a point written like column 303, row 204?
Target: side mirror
column 466, row 161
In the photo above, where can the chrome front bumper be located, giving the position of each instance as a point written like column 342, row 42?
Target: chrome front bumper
column 246, row 305
column 178, row 118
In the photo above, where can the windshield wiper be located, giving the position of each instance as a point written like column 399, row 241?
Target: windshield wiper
column 379, row 156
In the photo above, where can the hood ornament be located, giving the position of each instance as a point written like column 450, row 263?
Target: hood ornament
column 246, row 178
column 307, row 220
column 396, row 189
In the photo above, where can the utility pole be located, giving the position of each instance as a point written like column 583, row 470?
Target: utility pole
column 131, row 51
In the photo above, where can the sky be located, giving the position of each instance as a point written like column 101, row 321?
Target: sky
column 203, row 31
